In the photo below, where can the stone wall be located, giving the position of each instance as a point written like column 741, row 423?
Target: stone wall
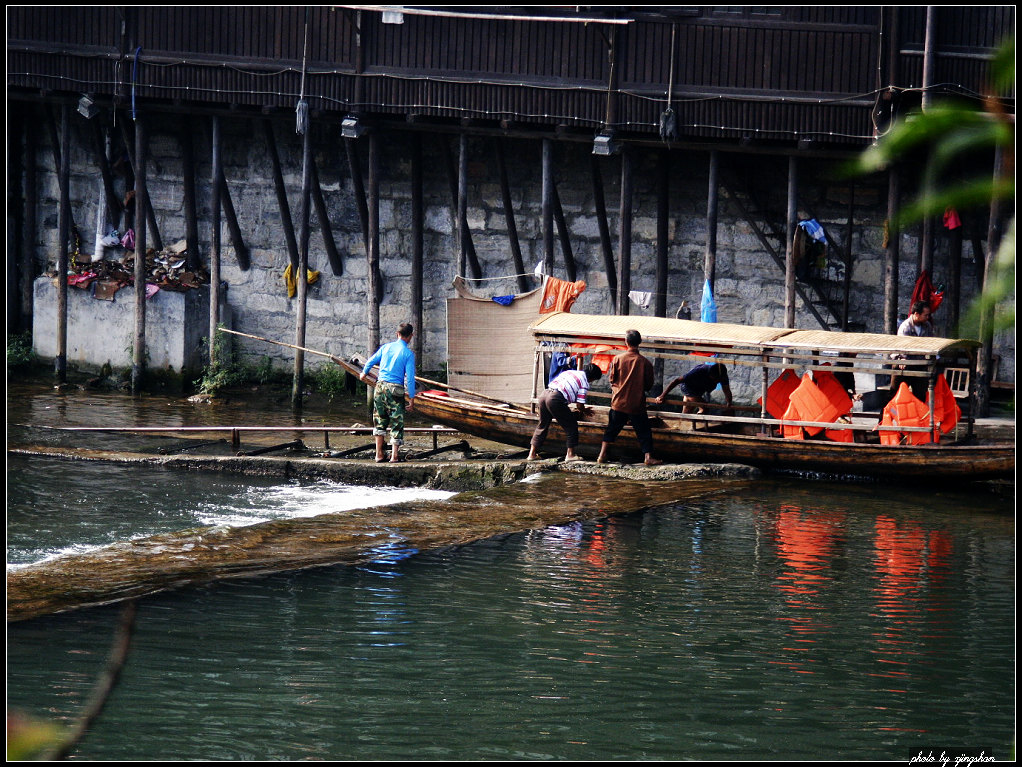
column 749, row 285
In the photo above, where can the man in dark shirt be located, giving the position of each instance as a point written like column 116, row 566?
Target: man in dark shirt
column 630, row 375
column 697, row 384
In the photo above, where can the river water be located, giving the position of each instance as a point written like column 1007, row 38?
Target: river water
column 773, row 620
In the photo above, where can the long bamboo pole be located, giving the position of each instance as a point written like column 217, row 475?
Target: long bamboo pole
column 349, row 367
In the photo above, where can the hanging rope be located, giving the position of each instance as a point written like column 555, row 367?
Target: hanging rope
column 302, row 109
column 668, row 119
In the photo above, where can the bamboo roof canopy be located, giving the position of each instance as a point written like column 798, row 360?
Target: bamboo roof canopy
column 738, row 339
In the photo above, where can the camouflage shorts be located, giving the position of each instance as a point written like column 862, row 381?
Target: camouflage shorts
column 389, row 412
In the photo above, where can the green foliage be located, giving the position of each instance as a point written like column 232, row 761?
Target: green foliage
column 29, row 738
column 224, row 371
column 20, row 355
column 951, row 132
column 331, row 381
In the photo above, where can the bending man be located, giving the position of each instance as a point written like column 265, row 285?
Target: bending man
column 570, row 387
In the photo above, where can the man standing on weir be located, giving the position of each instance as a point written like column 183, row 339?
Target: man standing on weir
column 395, row 380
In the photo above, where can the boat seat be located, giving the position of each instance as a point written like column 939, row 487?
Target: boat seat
column 958, row 380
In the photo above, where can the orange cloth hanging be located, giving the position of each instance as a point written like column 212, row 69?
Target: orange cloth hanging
column 779, row 393
column 602, row 353
column 945, row 410
column 905, row 409
column 559, row 295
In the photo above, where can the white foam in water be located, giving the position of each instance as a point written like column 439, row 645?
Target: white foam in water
column 262, row 504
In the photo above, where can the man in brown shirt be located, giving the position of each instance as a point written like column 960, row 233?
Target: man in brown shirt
column 630, row 375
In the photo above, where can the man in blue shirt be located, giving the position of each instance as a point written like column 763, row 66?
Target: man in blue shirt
column 396, row 379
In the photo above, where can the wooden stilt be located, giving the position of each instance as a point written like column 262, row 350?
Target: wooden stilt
column 548, row 207
column 563, row 235
column 417, row 245
column 141, row 205
column 712, row 209
column 193, row 258
column 336, row 264
column 509, row 218
column 789, row 250
column 149, row 214
column 374, row 292
column 624, row 278
column 63, row 231
column 282, row 203
column 892, row 253
column 601, row 220
column 662, row 231
column 214, row 250
column 298, row 381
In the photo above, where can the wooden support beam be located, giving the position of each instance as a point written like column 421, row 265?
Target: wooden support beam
column 149, row 214
column 509, row 217
column 462, row 198
column 193, row 256
column 114, row 205
column 789, row 251
column 563, row 235
column 548, row 206
column 460, row 227
column 240, row 249
column 141, row 205
column 418, row 218
column 374, row 291
column 662, row 232
column 601, row 220
column 323, row 215
column 28, row 244
column 892, row 253
column 63, row 230
column 625, row 232
column 712, row 212
column 282, row 203
column 302, row 276
column 215, row 244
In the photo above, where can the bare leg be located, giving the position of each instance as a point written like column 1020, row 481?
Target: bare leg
column 394, row 457
column 651, row 461
column 380, row 458
column 602, row 457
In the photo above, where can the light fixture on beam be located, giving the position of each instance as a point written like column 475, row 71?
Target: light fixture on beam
column 351, row 127
column 87, row 107
column 605, row 143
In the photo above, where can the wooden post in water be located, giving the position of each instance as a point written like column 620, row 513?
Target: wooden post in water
column 63, row 235
column 562, row 233
column 509, row 218
column 302, row 278
column 150, row 214
column 141, row 205
column 848, row 259
column 600, row 203
column 417, row 244
column 892, row 253
column 624, row 278
column 281, row 191
column 214, row 250
column 789, row 250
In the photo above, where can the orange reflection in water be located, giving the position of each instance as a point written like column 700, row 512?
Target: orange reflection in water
column 908, row 560
column 806, row 542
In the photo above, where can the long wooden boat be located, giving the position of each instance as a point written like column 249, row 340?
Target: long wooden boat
column 478, row 401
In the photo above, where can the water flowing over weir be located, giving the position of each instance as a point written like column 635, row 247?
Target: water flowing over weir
column 135, row 568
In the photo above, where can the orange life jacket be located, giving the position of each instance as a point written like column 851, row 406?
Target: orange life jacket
column 779, row 393
column 905, row 409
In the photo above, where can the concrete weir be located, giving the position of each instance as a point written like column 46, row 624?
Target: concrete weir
column 492, row 501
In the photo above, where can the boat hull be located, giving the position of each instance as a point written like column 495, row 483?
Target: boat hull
column 931, row 463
